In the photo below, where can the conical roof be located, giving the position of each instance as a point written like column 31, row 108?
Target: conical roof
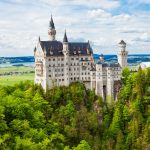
column 65, row 40
column 122, row 42
column 51, row 23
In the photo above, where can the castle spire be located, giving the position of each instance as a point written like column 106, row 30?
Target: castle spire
column 51, row 23
column 51, row 30
column 65, row 40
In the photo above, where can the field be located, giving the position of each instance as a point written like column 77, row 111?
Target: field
column 11, row 80
column 16, row 78
column 16, row 69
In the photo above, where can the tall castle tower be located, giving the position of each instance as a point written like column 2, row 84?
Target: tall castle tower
column 66, row 59
column 122, row 55
column 51, row 30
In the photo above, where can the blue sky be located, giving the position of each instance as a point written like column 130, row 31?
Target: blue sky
column 103, row 22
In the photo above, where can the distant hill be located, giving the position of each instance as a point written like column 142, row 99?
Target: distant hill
column 16, row 59
column 132, row 59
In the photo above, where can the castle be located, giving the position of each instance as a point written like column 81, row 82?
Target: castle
column 61, row 63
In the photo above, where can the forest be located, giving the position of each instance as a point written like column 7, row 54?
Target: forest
column 74, row 118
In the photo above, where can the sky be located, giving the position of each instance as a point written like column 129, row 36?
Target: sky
column 103, row 22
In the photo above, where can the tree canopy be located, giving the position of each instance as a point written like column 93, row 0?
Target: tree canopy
column 74, row 118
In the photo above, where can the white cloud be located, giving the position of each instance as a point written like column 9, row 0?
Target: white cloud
column 104, row 4
column 22, row 23
column 98, row 13
column 122, row 17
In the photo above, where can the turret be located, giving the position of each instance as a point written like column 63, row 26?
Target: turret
column 65, row 45
column 122, row 45
column 101, row 58
column 51, row 30
column 122, row 54
column 66, row 59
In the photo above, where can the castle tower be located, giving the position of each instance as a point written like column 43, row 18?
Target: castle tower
column 51, row 30
column 66, row 59
column 122, row 55
column 99, row 80
column 101, row 58
column 110, row 83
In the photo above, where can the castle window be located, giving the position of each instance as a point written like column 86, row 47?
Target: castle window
column 74, row 68
column 77, row 58
column 53, row 65
column 49, row 75
column 72, row 58
column 49, row 59
column 54, row 59
column 49, row 65
column 62, row 79
column 63, row 69
column 62, row 59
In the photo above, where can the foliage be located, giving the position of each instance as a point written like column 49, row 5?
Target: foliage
column 73, row 118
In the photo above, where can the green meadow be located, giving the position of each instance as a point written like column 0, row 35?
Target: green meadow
column 11, row 80
column 16, row 78
column 16, row 69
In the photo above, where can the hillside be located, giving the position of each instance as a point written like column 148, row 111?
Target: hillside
column 29, row 60
column 74, row 118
